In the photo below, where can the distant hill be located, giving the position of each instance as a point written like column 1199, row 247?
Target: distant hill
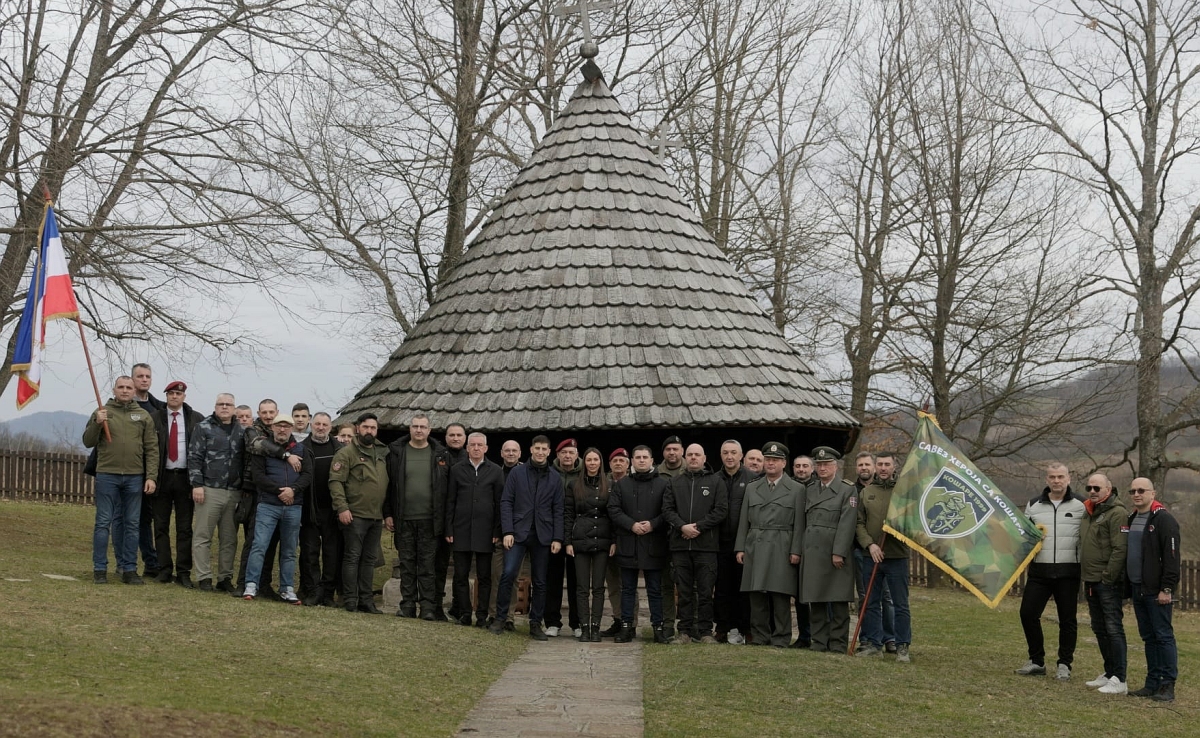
column 49, row 431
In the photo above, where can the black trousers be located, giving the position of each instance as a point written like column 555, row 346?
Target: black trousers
column 320, row 555
column 803, row 621
column 695, row 579
column 461, row 605
column 771, row 619
column 731, row 606
column 590, row 569
column 554, row 592
column 417, row 549
column 441, row 566
column 1038, row 592
column 174, row 494
column 360, row 541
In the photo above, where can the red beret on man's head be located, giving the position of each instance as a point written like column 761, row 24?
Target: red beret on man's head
column 176, row 385
column 618, row 452
column 568, row 443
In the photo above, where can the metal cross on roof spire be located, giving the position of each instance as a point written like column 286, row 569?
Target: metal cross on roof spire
column 589, row 49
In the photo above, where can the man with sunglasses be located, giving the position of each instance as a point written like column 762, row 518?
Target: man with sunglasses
column 1102, row 565
column 1152, row 566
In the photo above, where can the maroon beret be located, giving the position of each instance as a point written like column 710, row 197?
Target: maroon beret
column 176, row 385
column 618, row 452
column 568, row 443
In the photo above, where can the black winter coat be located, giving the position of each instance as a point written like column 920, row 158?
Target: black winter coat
column 635, row 498
column 393, row 506
column 735, row 491
column 473, row 505
column 696, row 497
column 588, row 527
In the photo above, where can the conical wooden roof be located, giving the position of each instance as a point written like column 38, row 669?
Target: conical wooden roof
column 593, row 298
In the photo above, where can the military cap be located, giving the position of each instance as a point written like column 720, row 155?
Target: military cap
column 568, row 443
column 775, row 450
column 620, row 452
column 670, row 440
column 825, row 453
column 176, row 385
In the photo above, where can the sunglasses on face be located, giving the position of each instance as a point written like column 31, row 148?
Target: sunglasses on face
column 1139, row 490
column 1093, row 488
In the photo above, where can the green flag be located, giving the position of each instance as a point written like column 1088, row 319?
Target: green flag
column 946, row 509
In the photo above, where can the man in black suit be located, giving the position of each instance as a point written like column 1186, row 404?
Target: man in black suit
column 473, row 526
column 531, row 513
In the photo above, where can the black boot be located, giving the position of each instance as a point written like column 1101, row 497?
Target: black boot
column 660, row 635
column 1165, row 693
column 585, row 630
column 613, row 630
column 625, row 635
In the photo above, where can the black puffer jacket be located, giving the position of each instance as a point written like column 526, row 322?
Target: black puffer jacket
column 735, row 490
column 635, row 498
column 588, row 527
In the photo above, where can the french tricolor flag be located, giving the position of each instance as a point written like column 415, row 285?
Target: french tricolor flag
column 50, row 297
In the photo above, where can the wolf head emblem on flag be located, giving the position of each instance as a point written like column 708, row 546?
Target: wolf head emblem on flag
column 952, row 508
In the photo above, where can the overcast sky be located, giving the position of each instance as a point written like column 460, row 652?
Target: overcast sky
column 314, row 364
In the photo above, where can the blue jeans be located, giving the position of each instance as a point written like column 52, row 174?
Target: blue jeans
column 1104, row 607
column 539, row 561
column 119, row 508
column 1154, row 626
column 863, row 565
column 893, row 577
column 629, row 579
column 266, row 518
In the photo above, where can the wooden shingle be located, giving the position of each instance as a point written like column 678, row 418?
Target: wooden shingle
column 593, row 298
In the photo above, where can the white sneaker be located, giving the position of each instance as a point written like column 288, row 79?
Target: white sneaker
column 734, row 638
column 250, row 592
column 1064, row 672
column 1115, row 686
column 552, row 631
column 288, row 595
column 1099, row 681
column 578, row 632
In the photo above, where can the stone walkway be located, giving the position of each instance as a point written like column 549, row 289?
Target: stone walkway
column 563, row 687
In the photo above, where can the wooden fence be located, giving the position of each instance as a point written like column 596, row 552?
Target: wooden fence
column 46, row 477
column 55, row 477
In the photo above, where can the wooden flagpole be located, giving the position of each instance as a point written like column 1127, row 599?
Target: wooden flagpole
column 82, row 338
column 862, row 613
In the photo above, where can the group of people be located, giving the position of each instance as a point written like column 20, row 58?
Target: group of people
column 1116, row 554
column 724, row 550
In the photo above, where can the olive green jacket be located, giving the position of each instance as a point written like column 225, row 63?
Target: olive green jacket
column 134, row 446
column 873, row 504
column 358, row 480
column 1102, row 545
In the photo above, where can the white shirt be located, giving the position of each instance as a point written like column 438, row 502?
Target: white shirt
column 181, row 443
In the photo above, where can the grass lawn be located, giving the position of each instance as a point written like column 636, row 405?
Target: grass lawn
column 80, row 659
column 960, row 683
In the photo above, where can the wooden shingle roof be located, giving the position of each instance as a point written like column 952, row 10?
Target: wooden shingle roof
column 593, row 298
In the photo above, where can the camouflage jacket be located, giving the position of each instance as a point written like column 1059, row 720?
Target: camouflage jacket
column 215, row 454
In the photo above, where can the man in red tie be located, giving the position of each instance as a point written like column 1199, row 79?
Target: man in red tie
column 175, row 423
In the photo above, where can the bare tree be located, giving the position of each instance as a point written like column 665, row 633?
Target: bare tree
column 1117, row 84
column 124, row 110
column 992, row 316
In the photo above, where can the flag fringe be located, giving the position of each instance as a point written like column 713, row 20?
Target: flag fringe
column 967, row 585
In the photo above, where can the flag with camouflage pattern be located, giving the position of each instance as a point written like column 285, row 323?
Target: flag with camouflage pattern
column 946, row 509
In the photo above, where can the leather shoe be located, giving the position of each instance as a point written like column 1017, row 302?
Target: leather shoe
column 427, row 616
column 131, row 577
column 164, row 577
column 537, row 633
column 206, row 585
column 402, row 613
column 369, row 607
column 186, row 582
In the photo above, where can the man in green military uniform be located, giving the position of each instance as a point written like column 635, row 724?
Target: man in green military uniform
column 889, row 560
column 768, row 546
column 358, row 485
column 827, row 518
